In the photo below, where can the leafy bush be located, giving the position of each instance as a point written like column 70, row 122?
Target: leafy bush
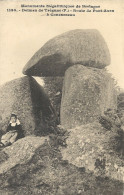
column 111, row 121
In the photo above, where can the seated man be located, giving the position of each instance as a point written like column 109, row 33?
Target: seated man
column 14, row 132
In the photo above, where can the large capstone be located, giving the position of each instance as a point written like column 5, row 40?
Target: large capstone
column 86, row 94
column 80, row 46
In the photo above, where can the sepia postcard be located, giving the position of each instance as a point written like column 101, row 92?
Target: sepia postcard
column 62, row 97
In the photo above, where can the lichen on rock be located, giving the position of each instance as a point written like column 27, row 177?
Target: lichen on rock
column 86, row 94
column 92, row 147
column 80, row 46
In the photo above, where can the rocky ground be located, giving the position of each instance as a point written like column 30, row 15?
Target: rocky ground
column 34, row 165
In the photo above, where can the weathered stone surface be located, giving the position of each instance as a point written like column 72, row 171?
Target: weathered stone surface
column 92, row 147
column 21, row 152
column 86, row 93
column 53, row 87
column 79, row 46
column 39, row 169
column 26, row 98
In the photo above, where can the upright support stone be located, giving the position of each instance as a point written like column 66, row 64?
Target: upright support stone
column 86, row 93
column 26, row 98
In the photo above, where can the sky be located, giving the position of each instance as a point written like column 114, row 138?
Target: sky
column 22, row 34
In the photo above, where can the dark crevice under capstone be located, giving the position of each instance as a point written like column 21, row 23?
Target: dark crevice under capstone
column 42, row 108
